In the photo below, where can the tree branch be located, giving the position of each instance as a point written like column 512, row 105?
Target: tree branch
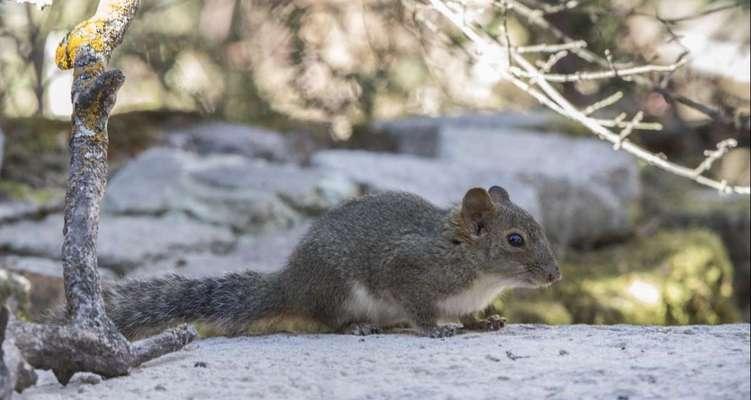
column 90, row 341
column 612, row 73
column 536, row 18
column 549, row 96
column 102, row 32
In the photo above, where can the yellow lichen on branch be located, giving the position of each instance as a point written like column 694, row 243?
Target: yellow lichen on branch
column 102, row 32
column 89, row 32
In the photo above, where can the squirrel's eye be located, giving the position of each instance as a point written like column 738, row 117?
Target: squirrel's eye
column 515, row 240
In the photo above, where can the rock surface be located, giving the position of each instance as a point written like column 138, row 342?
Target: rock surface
column 518, row 362
column 248, row 195
column 46, row 278
column 19, row 370
column 588, row 192
column 265, row 252
column 2, row 147
column 124, row 241
column 574, row 209
column 443, row 183
column 11, row 211
column 227, row 138
column 422, row 135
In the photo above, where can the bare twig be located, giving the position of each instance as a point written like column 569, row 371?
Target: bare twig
column 612, row 73
column 507, row 41
column 723, row 148
column 627, row 130
column 532, row 91
column 618, row 123
column 546, row 8
column 608, row 101
column 552, row 60
column 571, row 112
column 550, row 48
column 549, row 96
column 536, row 18
column 703, row 13
column 714, row 114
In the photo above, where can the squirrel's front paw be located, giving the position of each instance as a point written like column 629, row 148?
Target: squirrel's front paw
column 491, row 323
column 442, row 331
column 362, row 329
column 494, row 322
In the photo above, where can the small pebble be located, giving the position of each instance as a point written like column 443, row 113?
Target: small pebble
column 514, row 357
column 90, row 379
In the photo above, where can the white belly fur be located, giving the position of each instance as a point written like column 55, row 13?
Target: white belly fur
column 364, row 307
column 475, row 298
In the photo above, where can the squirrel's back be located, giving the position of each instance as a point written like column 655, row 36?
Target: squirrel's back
column 350, row 246
column 369, row 225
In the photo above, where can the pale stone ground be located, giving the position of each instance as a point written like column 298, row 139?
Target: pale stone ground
column 519, row 362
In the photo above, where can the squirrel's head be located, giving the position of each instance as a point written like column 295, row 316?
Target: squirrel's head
column 509, row 242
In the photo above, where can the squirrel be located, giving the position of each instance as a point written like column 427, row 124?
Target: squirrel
column 372, row 262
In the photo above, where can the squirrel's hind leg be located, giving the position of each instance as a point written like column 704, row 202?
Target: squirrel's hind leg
column 361, row 329
column 441, row 331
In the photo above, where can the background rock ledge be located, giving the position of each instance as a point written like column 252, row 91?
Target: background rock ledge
column 519, row 362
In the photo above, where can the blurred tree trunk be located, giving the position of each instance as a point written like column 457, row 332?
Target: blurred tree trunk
column 36, row 57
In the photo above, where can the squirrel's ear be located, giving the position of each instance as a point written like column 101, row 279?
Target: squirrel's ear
column 499, row 194
column 477, row 207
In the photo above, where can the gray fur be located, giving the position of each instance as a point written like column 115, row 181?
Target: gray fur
column 390, row 256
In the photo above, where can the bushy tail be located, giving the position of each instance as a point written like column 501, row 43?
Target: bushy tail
column 230, row 302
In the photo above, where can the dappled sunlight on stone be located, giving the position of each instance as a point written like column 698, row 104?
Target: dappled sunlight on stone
column 644, row 292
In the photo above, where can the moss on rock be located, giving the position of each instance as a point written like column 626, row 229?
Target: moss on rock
column 18, row 191
column 680, row 204
column 672, row 277
column 14, row 292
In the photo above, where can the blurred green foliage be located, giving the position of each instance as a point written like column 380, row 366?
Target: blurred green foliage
column 671, row 277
